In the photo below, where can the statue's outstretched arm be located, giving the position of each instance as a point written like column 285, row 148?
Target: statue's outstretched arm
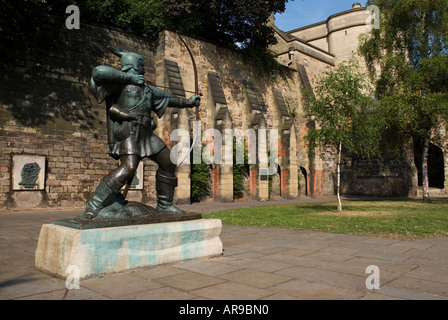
column 194, row 101
column 162, row 100
column 104, row 74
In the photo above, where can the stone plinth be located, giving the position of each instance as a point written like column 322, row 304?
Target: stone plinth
column 97, row 252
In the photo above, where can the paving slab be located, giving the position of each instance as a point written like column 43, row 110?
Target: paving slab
column 64, row 294
column 358, row 267
column 435, row 252
column 8, row 253
column 326, row 277
column 371, row 296
column 406, row 294
column 306, row 290
column 268, row 266
column 399, row 267
column 257, row 279
column 426, row 286
column 297, row 252
column 354, row 245
column 408, row 245
column 162, row 293
column 207, row 267
column 340, row 250
column 28, row 285
column 380, row 241
column 425, row 272
column 383, row 255
column 120, row 285
column 238, row 261
column 158, row 272
column 302, row 260
column 328, row 256
column 250, row 255
column 426, row 261
column 189, row 281
column 228, row 290
column 280, row 296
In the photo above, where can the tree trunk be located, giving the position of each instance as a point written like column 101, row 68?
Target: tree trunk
column 409, row 156
column 339, row 178
column 425, row 177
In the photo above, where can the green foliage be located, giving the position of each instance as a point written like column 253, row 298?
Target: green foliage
column 27, row 26
column 240, row 172
column 227, row 22
column 410, row 50
column 238, row 181
column 200, row 182
column 230, row 22
column 408, row 60
column 411, row 31
column 412, row 114
column 343, row 111
column 144, row 18
column 239, row 24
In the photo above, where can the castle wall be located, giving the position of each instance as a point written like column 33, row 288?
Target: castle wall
column 343, row 42
column 339, row 35
column 325, row 45
column 316, row 35
column 49, row 113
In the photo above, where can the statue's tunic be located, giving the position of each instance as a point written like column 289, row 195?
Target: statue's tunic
column 135, row 101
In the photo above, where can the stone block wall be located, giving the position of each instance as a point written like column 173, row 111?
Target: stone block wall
column 388, row 177
column 49, row 111
column 379, row 178
column 73, row 166
column 229, row 84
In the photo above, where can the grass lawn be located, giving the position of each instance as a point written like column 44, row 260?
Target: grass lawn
column 399, row 219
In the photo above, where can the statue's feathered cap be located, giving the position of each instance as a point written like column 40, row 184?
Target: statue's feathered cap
column 128, row 59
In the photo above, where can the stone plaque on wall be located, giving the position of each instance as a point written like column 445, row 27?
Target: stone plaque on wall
column 28, row 172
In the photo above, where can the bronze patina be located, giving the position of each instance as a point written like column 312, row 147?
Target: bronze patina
column 130, row 103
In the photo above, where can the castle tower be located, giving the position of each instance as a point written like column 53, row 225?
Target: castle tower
column 344, row 30
column 339, row 34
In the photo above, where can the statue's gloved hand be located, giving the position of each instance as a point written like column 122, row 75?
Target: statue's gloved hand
column 195, row 101
column 117, row 114
column 137, row 79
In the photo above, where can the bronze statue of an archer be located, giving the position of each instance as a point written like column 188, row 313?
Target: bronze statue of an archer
column 129, row 103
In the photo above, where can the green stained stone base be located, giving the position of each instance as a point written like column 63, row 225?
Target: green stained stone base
column 98, row 252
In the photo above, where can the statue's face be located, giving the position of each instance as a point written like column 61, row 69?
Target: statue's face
column 141, row 66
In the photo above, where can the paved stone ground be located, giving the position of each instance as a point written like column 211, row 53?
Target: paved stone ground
column 258, row 264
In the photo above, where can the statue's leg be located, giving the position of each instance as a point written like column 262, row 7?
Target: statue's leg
column 110, row 186
column 166, row 182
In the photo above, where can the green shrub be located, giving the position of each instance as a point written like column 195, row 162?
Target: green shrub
column 240, row 172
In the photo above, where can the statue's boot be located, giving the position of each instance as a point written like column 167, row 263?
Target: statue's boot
column 103, row 197
column 165, row 186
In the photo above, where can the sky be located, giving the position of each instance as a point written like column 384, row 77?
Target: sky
column 300, row 13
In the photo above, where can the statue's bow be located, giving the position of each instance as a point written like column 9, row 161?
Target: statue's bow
column 196, row 92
